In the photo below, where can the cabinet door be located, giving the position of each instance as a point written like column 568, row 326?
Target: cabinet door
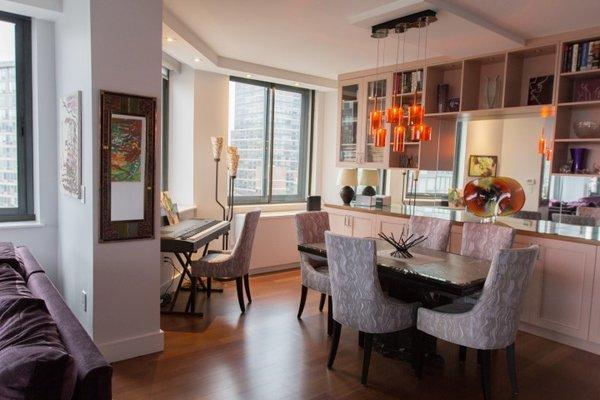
column 338, row 223
column 362, row 224
column 595, row 322
column 562, row 287
column 391, row 225
column 350, row 117
column 378, row 90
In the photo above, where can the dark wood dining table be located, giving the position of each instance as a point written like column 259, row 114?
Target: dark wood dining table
column 429, row 270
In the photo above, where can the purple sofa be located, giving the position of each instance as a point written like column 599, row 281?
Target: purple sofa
column 83, row 364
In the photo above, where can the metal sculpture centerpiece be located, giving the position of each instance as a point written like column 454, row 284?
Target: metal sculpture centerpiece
column 402, row 245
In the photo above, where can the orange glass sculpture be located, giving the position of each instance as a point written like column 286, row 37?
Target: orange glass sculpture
column 393, row 114
column 380, row 135
column 376, row 117
column 492, row 197
column 398, row 145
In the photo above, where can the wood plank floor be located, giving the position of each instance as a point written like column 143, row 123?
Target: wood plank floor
column 269, row 354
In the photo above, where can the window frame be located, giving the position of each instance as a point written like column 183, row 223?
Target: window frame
column 306, row 131
column 24, row 125
column 164, row 183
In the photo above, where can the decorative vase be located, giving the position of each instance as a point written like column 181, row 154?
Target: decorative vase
column 578, row 155
column 347, row 194
column 492, row 91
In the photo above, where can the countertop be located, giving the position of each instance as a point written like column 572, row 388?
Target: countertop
column 546, row 229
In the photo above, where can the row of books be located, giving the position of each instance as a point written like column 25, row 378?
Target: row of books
column 581, row 56
column 408, row 82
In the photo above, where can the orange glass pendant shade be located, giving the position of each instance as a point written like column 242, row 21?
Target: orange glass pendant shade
column 541, row 145
column 548, row 154
column 426, row 133
column 490, row 197
column 415, row 114
column 398, row 144
column 416, row 131
column 376, row 117
column 393, row 115
column 380, row 136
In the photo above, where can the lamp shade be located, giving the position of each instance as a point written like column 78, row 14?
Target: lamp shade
column 347, row 177
column 368, row 177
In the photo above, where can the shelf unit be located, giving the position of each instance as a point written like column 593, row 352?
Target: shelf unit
column 571, row 108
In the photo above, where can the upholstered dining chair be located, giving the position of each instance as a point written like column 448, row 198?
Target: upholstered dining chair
column 310, row 228
column 483, row 241
column 436, row 230
column 233, row 264
column 593, row 212
column 358, row 300
column 574, row 219
column 492, row 322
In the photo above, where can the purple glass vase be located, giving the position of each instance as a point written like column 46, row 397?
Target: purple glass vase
column 578, row 155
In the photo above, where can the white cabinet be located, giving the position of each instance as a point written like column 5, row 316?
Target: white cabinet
column 338, row 222
column 595, row 311
column 560, row 294
column 351, row 223
column 391, row 225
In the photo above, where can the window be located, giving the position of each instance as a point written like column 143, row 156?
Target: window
column 432, row 185
column 164, row 178
column 269, row 124
column 16, row 160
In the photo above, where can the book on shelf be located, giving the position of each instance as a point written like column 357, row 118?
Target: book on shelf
column 581, row 56
column 409, row 81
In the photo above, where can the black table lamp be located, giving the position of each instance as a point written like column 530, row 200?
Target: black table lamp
column 347, row 179
column 368, row 178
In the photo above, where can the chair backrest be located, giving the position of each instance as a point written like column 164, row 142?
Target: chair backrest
column 574, row 219
column 311, row 226
column 437, row 231
column 533, row 215
column 483, row 241
column 497, row 310
column 355, row 288
column 242, row 251
column 589, row 212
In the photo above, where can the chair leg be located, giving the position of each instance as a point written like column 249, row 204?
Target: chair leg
column 512, row 370
column 486, row 384
column 329, row 316
column 337, row 330
column 418, row 352
column 361, row 339
column 208, row 287
column 366, row 357
column 303, row 294
column 247, row 286
column 239, row 283
column 462, row 354
column 322, row 302
column 479, row 360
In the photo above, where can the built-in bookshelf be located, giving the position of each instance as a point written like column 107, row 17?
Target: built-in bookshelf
column 578, row 99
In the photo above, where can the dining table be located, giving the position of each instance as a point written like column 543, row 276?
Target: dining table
column 431, row 277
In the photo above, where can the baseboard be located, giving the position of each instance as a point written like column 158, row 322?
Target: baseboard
column 133, row 346
column 274, row 268
column 561, row 338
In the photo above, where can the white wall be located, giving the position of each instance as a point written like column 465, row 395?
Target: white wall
column 126, row 46
column 329, row 189
column 75, row 227
column 41, row 236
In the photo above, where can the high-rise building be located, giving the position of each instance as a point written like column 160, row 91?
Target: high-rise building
column 8, row 137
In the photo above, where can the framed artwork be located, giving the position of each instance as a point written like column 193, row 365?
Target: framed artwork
column 540, row 90
column 70, row 144
column 128, row 130
column 483, row 166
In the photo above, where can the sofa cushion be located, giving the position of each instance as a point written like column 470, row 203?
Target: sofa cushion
column 33, row 358
column 9, row 256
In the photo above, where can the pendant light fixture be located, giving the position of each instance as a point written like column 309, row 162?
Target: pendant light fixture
column 375, row 116
column 393, row 115
column 419, row 130
column 378, row 113
column 542, row 142
column 400, row 128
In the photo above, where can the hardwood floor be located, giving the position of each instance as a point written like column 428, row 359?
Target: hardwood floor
column 269, row 354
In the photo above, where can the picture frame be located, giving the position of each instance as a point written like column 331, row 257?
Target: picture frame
column 483, row 166
column 70, row 144
column 127, row 165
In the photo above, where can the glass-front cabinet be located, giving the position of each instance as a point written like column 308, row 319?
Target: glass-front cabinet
column 356, row 141
column 350, row 114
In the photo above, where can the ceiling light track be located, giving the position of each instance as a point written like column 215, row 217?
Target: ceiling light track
column 416, row 20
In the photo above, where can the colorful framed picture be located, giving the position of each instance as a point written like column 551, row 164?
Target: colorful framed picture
column 483, row 166
column 128, row 124
column 70, row 144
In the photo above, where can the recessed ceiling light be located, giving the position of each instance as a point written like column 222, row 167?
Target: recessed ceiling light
column 248, row 76
column 197, row 59
column 170, row 39
column 296, row 84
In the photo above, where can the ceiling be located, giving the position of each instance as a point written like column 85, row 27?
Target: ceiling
column 324, row 38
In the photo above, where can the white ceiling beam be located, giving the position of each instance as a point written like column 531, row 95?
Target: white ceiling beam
column 189, row 36
column 477, row 20
column 375, row 15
